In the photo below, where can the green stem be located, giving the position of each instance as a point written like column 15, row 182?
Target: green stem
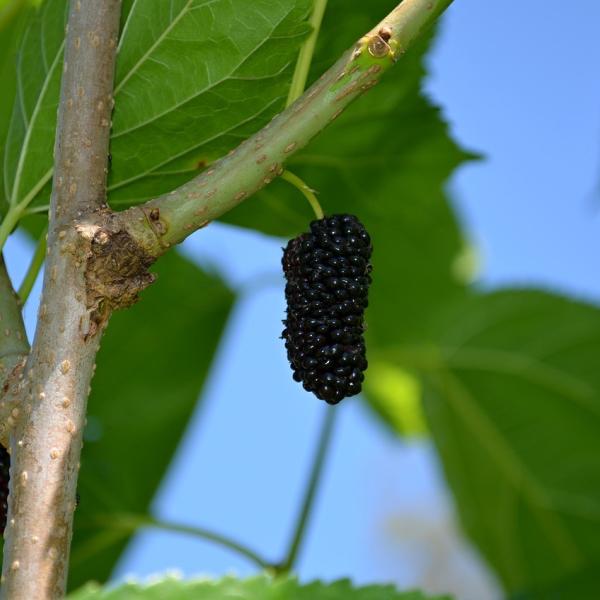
column 296, row 89
column 132, row 522
column 34, row 268
column 304, row 515
column 306, row 53
column 16, row 211
column 36, row 210
column 308, row 192
column 168, row 219
column 8, row 224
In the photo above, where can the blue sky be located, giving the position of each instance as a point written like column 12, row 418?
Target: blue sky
column 518, row 82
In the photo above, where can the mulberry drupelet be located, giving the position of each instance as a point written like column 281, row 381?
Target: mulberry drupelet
column 327, row 272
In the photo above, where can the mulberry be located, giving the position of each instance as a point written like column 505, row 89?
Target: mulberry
column 327, row 272
column 4, row 479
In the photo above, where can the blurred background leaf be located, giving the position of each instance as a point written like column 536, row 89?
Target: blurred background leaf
column 581, row 585
column 152, row 366
column 513, row 401
column 395, row 394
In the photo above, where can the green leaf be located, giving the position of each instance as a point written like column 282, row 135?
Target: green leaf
column 12, row 18
column 193, row 85
column 395, row 394
column 581, row 586
column 28, row 157
column 193, row 79
column 513, row 402
column 258, row 588
column 151, row 368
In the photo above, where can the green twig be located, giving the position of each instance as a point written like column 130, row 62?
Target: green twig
column 168, row 219
column 34, row 268
column 306, row 52
column 16, row 211
column 132, row 522
column 36, row 210
column 296, row 90
column 325, row 438
column 11, row 218
column 308, row 192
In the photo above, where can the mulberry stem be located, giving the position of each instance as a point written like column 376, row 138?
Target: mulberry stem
column 306, row 52
column 308, row 192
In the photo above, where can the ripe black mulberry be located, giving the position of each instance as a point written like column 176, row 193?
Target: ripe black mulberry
column 328, row 277
column 4, row 479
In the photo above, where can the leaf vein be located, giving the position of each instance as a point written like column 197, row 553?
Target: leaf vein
column 150, row 50
column 28, row 133
column 204, row 90
column 508, row 462
column 195, row 147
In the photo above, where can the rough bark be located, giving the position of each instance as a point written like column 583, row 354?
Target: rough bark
column 46, row 440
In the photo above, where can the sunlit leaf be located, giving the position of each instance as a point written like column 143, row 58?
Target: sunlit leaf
column 396, row 395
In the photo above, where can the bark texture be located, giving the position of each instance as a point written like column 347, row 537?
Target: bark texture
column 46, row 440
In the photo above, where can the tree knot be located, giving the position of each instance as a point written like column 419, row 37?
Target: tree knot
column 116, row 270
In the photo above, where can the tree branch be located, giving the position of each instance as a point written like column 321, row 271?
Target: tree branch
column 13, row 348
column 169, row 219
column 46, row 442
